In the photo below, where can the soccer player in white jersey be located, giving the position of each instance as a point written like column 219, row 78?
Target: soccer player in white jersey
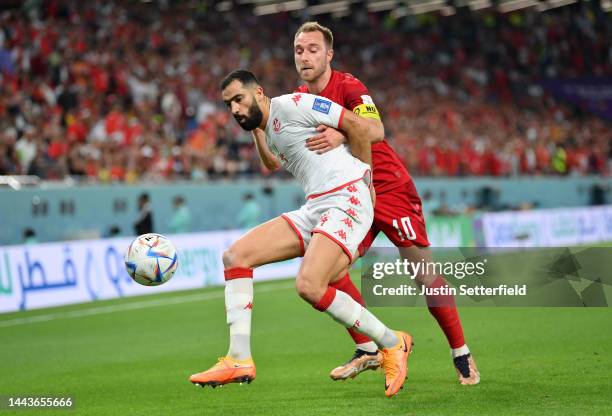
column 326, row 231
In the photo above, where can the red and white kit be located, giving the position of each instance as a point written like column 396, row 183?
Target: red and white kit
column 336, row 183
column 398, row 214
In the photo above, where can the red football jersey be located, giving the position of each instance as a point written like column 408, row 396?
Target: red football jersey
column 349, row 92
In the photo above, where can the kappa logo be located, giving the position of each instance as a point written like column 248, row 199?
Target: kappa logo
column 321, row 105
column 341, row 234
column 348, row 222
column 276, row 125
column 324, row 219
column 296, row 98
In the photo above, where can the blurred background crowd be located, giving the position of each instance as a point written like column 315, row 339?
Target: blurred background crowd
column 98, row 92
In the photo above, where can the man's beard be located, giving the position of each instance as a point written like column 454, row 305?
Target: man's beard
column 252, row 120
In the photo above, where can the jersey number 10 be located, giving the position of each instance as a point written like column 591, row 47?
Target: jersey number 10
column 406, row 232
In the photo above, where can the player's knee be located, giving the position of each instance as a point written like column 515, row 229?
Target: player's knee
column 309, row 290
column 235, row 257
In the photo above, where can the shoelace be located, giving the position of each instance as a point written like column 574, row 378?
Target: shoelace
column 220, row 360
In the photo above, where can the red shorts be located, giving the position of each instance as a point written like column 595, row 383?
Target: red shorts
column 398, row 214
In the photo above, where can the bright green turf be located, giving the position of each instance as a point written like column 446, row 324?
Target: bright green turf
column 532, row 360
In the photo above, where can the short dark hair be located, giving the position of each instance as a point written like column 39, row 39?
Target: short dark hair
column 242, row 75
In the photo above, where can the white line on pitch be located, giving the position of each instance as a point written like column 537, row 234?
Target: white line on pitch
column 100, row 310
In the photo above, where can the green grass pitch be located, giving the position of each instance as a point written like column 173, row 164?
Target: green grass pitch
column 133, row 357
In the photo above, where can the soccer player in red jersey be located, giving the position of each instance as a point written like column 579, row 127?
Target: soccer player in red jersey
column 397, row 213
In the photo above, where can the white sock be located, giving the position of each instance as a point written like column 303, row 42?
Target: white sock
column 238, row 307
column 369, row 346
column 349, row 313
column 458, row 352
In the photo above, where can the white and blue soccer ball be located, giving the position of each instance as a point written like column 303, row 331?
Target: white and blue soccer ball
column 151, row 259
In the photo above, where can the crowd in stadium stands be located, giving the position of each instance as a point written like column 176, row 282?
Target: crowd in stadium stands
column 130, row 92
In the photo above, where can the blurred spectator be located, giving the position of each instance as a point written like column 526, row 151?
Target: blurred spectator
column 128, row 91
column 429, row 204
column 29, row 236
column 250, row 213
column 598, row 194
column 113, row 231
column 144, row 222
column 180, row 222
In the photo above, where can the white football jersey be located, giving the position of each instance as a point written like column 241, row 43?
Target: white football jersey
column 295, row 118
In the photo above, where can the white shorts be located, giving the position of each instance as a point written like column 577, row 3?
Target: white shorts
column 344, row 215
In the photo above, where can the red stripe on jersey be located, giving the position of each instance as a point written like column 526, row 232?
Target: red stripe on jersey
column 337, row 188
column 341, row 118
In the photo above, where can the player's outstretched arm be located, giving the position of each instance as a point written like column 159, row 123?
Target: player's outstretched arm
column 357, row 129
column 267, row 157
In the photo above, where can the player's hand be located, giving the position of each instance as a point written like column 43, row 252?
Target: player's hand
column 328, row 138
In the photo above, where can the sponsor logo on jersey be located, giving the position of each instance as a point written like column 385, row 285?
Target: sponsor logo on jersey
column 321, row 105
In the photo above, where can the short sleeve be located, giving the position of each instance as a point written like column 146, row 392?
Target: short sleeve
column 314, row 110
column 357, row 99
column 355, row 93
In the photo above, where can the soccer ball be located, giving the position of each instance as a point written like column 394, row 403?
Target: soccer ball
column 151, row 259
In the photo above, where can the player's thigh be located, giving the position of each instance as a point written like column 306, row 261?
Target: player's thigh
column 399, row 216
column 363, row 248
column 323, row 261
column 269, row 242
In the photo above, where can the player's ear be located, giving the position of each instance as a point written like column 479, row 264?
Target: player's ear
column 259, row 92
column 330, row 55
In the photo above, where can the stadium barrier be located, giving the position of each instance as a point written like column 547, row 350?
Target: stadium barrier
column 545, row 228
column 54, row 274
column 57, row 212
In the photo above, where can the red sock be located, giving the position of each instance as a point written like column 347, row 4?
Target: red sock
column 443, row 308
column 347, row 286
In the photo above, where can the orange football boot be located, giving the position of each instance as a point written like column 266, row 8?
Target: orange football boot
column 227, row 370
column 395, row 363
